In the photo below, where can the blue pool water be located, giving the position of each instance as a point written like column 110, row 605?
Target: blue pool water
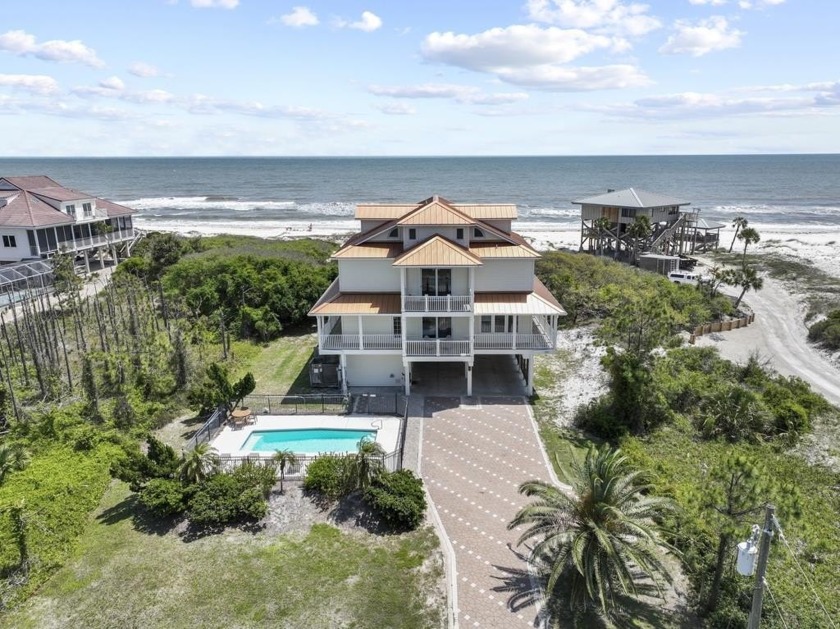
column 306, row 441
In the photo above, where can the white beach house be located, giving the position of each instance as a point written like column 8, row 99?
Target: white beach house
column 39, row 217
column 434, row 282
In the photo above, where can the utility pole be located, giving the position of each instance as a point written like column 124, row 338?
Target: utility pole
column 761, row 570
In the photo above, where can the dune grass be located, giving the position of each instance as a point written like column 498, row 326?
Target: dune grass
column 125, row 577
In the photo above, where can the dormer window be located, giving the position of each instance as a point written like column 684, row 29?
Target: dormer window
column 70, row 209
column 87, row 209
column 478, row 233
column 394, row 233
column 459, row 233
column 412, row 233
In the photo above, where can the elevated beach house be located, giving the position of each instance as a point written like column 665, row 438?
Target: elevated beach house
column 675, row 228
column 433, row 282
column 39, row 217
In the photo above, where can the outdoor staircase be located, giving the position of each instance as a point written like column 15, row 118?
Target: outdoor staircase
column 661, row 242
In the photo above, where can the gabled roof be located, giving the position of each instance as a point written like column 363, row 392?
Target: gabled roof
column 436, row 211
column 538, row 301
column 437, row 251
column 393, row 211
column 502, row 250
column 632, row 197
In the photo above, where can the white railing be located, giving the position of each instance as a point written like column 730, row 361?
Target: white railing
column 433, row 303
column 365, row 341
column 437, row 347
column 507, row 341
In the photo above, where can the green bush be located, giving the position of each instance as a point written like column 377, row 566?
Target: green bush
column 827, row 331
column 232, row 497
column 164, row 497
column 398, row 497
column 328, row 475
column 137, row 469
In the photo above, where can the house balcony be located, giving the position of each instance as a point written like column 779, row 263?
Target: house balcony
column 437, row 303
column 512, row 341
column 437, row 347
column 361, row 342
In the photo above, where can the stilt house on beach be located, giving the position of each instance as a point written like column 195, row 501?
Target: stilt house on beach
column 39, row 218
column 676, row 229
column 430, row 283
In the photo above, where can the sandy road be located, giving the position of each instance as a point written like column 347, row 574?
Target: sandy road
column 779, row 336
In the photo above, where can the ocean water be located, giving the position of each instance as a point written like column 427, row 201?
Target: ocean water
column 273, row 196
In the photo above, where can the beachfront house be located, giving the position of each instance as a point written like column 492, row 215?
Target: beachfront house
column 39, row 218
column 434, row 282
column 676, row 229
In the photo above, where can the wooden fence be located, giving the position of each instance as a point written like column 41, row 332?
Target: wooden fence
column 722, row 326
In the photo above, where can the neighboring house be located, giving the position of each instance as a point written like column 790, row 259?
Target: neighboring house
column 606, row 217
column 434, row 282
column 39, row 217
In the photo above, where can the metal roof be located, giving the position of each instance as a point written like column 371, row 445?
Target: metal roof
column 360, row 304
column 438, row 251
column 539, row 301
column 374, row 250
column 478, row 211
column 502, row 250
column 436, row 213
column 632, row 197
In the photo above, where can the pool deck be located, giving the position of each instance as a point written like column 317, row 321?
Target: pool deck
column 229, row 441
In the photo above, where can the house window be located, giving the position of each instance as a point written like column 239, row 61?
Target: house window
column 9, row 241
column 394, row 233
column 437, row 327
column 70, row 209
column 628, row 212
column 459, row 233
column 436, row 281
column 412, row 233
column 478, row 233
column 87, row 208
column 397, row 326
column 486, row 324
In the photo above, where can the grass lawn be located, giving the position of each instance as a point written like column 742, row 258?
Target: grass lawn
column 281, row 366
column 124, row 577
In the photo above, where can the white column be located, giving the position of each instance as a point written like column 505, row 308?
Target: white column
column 515, row 329
column 472, row 289
column 320, row 332
column 469, row 379
column 87, row 262
column 402, row 289
column 407, row 369
column 529, row 362
column 343, row 364
column 361, row 340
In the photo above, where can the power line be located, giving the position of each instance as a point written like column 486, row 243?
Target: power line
column 775, row 604
column 802, row 572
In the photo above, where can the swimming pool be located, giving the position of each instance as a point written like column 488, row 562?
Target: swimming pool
column 306, row 440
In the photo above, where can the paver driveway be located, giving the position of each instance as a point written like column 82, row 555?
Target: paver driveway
column 473, row 460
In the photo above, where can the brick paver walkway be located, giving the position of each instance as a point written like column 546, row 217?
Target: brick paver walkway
column 473, row 460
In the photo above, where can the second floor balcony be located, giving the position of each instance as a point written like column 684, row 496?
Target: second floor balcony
column 437, row 303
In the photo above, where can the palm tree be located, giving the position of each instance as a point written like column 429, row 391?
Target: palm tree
column 748, row 279
column 198, row 464
column 750, row 236
column 739, row 223
column 640, row 229
column 600, row 542
column 367, row 464
column 602, row 226
column 284, row 458
column 12, row 458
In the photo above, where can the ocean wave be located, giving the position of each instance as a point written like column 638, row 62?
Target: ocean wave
column 548, row 212
column 215, row 203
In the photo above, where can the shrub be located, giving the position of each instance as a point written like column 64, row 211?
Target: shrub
column 827, row 331
column 137, row 469
column 232, row 497
column 163, row 497
column 398, row 497
column 328, row 475
column 260, row 477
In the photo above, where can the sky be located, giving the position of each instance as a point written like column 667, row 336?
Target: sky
column 418, row 77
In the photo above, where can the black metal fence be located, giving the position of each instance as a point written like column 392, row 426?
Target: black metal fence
column 209, row 430
column 314, row 404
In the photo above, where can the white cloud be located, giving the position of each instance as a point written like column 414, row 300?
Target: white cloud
column 143, row 70
column 700, row 38
column 613, row 16
column 460, row 93
column 34, row 83
column 368, row 23
column 812, row 98
column 759, row 4
column 214, row 4
column 515, row 46
column 112, row 83
column 397, row 109
column 24, row 44
column 714, row 3
column 299, row 17
column 577, row 79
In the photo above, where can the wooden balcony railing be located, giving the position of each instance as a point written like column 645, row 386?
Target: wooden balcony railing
column 363, row 341
column 437, row 347
column 511, row 341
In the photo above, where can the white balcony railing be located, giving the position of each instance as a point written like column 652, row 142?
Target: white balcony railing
column 437, row 347
column 434, row 303
column 364, row 341
column 511, row 341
